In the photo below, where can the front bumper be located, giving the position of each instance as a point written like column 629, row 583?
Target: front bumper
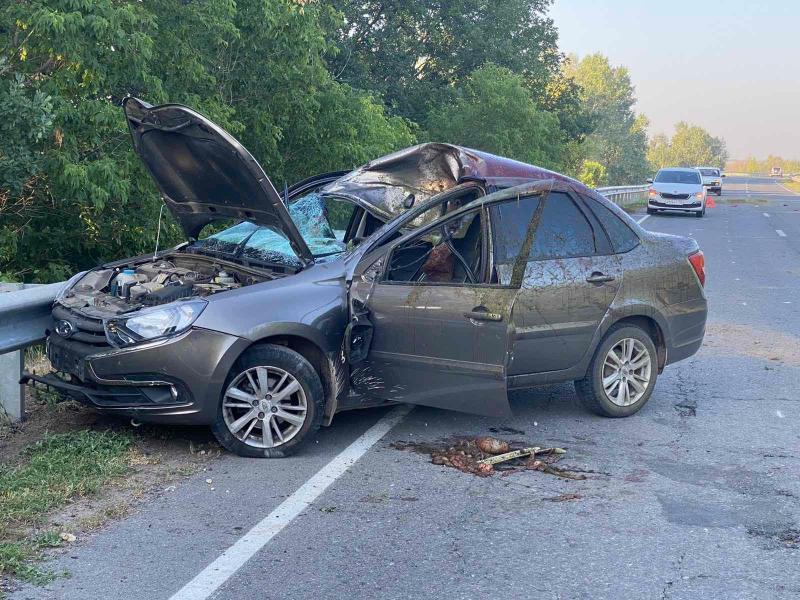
column 176, row 380
column 692, row 206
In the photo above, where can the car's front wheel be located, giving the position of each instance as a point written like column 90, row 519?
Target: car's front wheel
column 272, row 403
column 622, row 374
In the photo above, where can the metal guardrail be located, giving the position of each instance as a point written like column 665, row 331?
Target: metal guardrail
column 24, row 316
column 624, row 196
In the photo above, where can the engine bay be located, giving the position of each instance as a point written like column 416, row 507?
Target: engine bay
column 109, row 291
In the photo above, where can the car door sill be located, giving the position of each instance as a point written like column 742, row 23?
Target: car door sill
column 447, row 364
column 526, row 380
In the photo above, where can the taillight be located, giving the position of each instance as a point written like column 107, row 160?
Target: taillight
column 698, row 262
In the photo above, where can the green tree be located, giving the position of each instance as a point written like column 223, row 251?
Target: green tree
column 495, row 112
column 300, row 121
column 415, row 53
column 72, row 192
column 690, row 146
column 619, row 138
column 593, row 174
column 762, row 166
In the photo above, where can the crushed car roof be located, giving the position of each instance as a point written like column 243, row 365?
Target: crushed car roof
column 386, row 185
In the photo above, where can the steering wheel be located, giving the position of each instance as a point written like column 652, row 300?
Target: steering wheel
column 469, row 274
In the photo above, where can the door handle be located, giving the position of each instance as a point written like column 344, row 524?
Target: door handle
column 482, row 315
column 598, row 277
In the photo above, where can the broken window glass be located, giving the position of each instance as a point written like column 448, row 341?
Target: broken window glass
column 311, row 216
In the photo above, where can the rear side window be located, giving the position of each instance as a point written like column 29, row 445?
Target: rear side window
column 563, row 232
column 623, row 239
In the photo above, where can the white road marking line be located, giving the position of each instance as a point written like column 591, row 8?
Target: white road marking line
column 780, row 232
column 219, row 571
column 766, row 215
column 779, row 413
column 642, row 219
column 788, row 190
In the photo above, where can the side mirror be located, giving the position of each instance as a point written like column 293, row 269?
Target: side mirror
column 650, row 180
column 723, row 175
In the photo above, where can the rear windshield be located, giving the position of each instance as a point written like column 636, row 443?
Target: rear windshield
column 709, row 172
column 678, row 177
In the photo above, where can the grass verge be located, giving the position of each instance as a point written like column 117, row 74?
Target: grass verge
column 635, row 206
column 54, row 471
column 792, row 185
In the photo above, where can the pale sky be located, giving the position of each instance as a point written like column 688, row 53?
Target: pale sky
column 732, row 67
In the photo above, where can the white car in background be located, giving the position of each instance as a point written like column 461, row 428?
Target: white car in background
column 712, row 179
column 676, row 189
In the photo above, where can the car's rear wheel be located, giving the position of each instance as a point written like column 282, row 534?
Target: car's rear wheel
column 622, row 374
column 272, row 403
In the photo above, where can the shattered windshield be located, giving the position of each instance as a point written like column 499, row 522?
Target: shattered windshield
column 322, row 225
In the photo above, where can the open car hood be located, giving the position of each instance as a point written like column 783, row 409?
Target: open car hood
column 204, row 174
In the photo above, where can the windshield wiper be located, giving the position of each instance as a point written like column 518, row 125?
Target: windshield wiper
column 324, row 254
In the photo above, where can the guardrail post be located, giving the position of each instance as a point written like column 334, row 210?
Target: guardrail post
column 24, row 317
column 12, row 394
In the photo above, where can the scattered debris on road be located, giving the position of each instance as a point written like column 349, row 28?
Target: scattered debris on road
column 563, row 498
column 686, row 409
column 787, row 537
column 490, row 445
column 483, row 456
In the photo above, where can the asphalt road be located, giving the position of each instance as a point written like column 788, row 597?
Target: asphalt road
column 694, row 497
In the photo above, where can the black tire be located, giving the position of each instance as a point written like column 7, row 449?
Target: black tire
column 700, row 214
column 590, row 388
column 281, row 357
column 651, row 211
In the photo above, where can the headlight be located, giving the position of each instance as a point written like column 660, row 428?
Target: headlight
column 153, row 323
column 70, row 283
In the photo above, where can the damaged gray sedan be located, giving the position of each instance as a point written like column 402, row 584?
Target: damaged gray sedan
column 437, row 275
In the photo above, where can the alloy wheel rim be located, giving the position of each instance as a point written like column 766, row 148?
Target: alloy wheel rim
column 264, row 407
column 626, row 372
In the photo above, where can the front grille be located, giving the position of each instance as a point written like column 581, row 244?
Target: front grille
column 675, row 196
column 84, row 329
column 673, row 205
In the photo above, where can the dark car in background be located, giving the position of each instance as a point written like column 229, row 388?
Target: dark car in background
column 437, row 275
